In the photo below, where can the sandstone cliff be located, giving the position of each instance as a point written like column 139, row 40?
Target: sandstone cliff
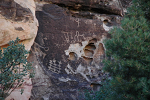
column 69, row 46
column 68, row 50
column 17, row 19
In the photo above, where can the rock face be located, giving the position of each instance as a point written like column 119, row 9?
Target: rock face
column 17, row 19
column 68, row 50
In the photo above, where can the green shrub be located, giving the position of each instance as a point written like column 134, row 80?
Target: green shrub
column 13, row 67
column 128, row 57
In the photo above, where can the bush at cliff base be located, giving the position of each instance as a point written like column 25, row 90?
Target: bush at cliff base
column 128, row 57
column 13, row 67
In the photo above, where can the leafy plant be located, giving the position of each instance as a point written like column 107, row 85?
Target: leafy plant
column 13, row 67
column 128, row 57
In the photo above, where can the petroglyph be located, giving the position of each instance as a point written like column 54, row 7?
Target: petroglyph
column 77, row 20
column 37, row 49
column 54, row 66
column 78, row 36
column 86, row 72
column 69, row 37
column 79, row 70
column 75, row 39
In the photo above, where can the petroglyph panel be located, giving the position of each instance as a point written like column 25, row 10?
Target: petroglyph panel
column 66, row 48
column 69, row 46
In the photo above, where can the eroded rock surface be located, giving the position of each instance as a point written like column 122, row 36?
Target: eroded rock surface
column 69, row 46
column 17, row 19
column 105, row 6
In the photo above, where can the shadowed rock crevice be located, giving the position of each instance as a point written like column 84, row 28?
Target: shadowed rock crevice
column 88, row 60
column 91, row 53
column 95, row 86
column 99, row 6
column 82, row 11
column 90, row 46
column 79, row 10
column 72, row 56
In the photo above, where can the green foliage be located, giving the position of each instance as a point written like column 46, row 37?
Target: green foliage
column 128, row 57
column 13, row 67
column 103, row 94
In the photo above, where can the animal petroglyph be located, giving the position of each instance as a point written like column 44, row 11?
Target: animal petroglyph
column 69, row 37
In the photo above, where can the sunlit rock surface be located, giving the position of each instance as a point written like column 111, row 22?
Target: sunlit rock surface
column 17, row 19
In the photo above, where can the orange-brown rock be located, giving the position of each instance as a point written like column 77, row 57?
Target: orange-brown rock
column 17, row 19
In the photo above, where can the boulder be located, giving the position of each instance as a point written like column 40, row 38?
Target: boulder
column 17, row 19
